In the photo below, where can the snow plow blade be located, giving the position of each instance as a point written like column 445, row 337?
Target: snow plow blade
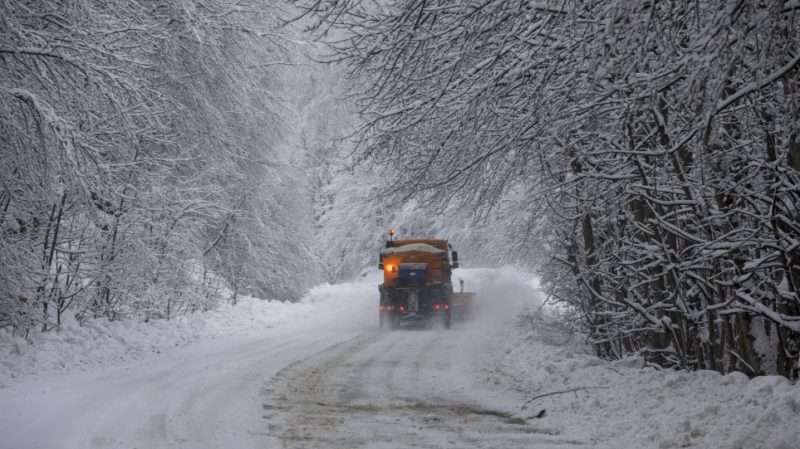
column 463, row 305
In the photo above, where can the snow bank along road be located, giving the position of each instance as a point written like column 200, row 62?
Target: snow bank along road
column 331, row 379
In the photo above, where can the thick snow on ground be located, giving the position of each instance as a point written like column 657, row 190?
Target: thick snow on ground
column 320, row 374
column 536, row 359
column 162, row 391
column 648, row 408
column 101, row 342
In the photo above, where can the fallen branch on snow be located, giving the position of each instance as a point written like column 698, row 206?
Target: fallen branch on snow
column 553, row 393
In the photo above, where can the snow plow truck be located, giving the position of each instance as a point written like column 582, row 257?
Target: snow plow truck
column 417, row 284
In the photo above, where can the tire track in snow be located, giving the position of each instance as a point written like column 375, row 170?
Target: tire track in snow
column 404, row 389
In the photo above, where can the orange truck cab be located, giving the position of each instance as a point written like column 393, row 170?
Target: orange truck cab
column 417, row 285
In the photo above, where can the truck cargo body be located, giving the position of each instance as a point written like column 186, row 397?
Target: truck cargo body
column 417, row 287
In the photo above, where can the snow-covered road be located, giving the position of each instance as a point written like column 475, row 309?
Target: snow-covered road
column 398, row 390
column 206, row 395
column 331, row 380
column 325, row 377
column 199, row 397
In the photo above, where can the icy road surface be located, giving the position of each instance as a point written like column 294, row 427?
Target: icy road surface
column 326, row 377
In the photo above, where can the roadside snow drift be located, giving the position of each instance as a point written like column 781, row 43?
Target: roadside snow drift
column 103, row 342
column 556, row 376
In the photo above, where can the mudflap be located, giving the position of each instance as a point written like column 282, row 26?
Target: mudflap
column 412, row 319
column 438, row 320
column 388, row 322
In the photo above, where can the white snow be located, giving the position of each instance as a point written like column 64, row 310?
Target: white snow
column 101, row 342
column 624, row 401
column 644, row 407
column 422, row 247
column 200, row 381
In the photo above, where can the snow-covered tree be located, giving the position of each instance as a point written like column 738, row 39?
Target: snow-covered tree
column 646, row 151
column 146, row 167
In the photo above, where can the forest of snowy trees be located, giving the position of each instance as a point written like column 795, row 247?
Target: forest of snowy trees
column 643, row 157
column 646, row 154
column 153, row 162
